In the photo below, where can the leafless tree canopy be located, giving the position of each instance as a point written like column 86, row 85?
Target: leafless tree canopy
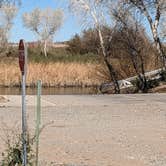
column 7, row 14
column 13, row 2
column 153, row 11
column 44, row 23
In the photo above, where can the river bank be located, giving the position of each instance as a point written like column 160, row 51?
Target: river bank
column 52, row 74
column 50, row 90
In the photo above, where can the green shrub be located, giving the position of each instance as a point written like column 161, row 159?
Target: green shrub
column 60, row 55
column 88, row 41
column 12, row 156
column 152, row 83
column 149, row 84
column 163, row 75
column 13, row 152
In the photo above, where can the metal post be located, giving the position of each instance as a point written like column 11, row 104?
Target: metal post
column 23, row 52
column 38, row 119
column 24, row 127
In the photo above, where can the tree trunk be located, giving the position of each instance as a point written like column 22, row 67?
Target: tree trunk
column 159, row 49
column 145, row 86
column 112, row 73
column 141, row 76
column 154, row 29
column 104, row 52
column 113, row 76
column 45, row 48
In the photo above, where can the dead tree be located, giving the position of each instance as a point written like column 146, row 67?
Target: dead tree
column 132, row 39
column 152, row 10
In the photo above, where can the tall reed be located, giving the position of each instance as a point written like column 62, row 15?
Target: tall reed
column 51, row 74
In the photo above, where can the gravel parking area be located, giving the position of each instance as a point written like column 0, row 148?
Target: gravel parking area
column 96, row 130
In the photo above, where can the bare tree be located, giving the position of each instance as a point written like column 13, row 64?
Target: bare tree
column 163, row 26
column 8, row 10
column 44, row 23
column 131, row 38
column 152, row 10
column 14, row 2
column 132, row 41
column 7, row 14
column 91, row 11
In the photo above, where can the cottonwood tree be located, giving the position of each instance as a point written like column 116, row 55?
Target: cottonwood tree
column 8, row 11
column 7, row 14
column 93, row 12
column 153, row 11
column 44, row 23
column 14, row 2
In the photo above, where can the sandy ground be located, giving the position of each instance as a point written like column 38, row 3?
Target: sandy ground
column 103, row 130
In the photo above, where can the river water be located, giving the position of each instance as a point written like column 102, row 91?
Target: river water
column 50, row 91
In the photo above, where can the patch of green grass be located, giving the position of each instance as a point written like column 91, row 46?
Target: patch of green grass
column 60, row 55
column 54, row 55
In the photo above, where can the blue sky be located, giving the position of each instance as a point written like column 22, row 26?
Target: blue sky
column 68, row 29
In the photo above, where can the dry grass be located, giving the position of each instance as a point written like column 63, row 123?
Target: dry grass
column 51, row 74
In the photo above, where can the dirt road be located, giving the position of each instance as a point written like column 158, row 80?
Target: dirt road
column 98, row 130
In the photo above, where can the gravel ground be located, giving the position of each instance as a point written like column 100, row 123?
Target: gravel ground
column 95, row 130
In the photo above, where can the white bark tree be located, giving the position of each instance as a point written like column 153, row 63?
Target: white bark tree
column 153, row 11
column 163, row 26
column 44, row 23
column 7, row 14
column 93, row 12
